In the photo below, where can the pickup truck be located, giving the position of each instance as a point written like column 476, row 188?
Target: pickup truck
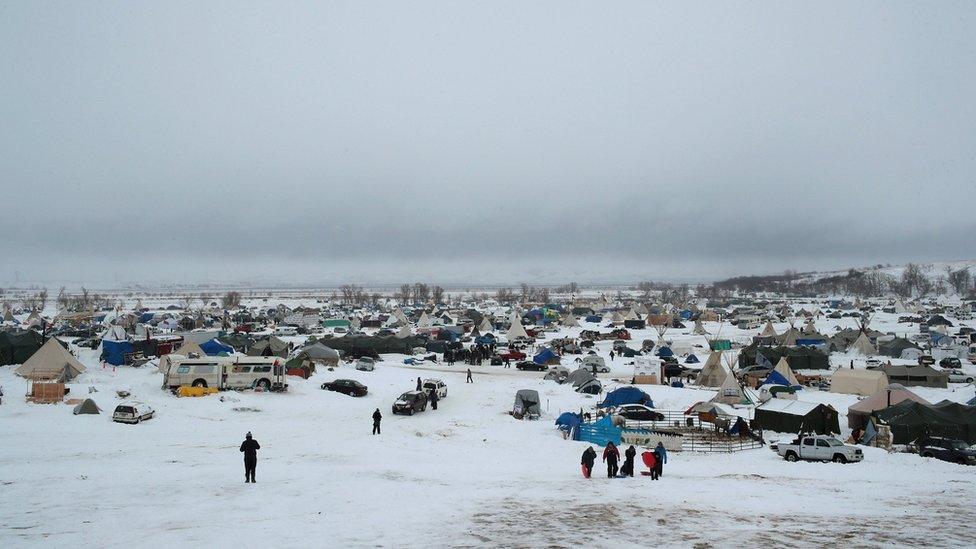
column 817, row 448
column 511, row 354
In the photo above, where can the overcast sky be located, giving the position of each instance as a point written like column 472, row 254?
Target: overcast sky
column 482, row 141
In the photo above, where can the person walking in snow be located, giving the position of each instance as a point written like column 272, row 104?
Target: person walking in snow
column 651, row 461
column 420, row 386
column 377, row 417
column 661, row 455
column 627, row 469
column 469, row 380
column 611, row 455
column 589, row 458
column 250, row 448
column 611, row 356
column 433, row 398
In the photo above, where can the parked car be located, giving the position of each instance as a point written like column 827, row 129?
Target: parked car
column 946, row 449
column 286, row 331
column 529, row 365
column 365, row 364
column 673, row 369
column 619, row 345
column 872, row 363
column 132, row 412
column 589, row 361
column 755, row 370
column 511, row 354
column 349, row 387
column 950, row 362
column 435, row 384
column 639, row 412
column 410, row 403
column 817, row 448
column 958, row 376
column 926, row 360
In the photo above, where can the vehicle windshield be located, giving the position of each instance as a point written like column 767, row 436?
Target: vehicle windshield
column 834, row 442
column 957, row 445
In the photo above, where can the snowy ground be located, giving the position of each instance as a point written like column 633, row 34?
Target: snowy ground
column 464, row 475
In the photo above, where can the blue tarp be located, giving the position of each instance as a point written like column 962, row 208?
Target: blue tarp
column 594, row 318
column 776, row 378
column 685, row 314
column 487, row 339
column 214, row 348
column 114, row 352
column 600, row 432
column 626, row 395
column 664, row 352
column 570, row 422
column 544, row 356
column 146, row 317
column 692, row 359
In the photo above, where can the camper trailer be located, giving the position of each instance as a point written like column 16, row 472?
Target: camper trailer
column 236, row 372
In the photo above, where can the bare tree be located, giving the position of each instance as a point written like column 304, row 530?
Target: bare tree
column 231, row 300
column 405, row 293
column 437, row 294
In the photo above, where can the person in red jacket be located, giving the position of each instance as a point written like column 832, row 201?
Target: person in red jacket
column 611, row 455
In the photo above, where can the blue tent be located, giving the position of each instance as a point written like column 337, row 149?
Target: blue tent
column 600, row 432
column 146, row 317
column 685, row 314
column 570, row 422
column 626, row 395
column 664, row 352
column 545, row 355
column 214, row 348
column 594, row 318
column 692, row 359
column 487, row 339
column 114, row 351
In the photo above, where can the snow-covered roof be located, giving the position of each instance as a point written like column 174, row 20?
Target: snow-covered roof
column 792, row 407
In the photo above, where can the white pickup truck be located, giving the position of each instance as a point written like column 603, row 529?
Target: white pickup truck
column 817, row 448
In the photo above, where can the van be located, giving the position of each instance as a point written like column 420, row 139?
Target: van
column 286, row 331
column 236, row 372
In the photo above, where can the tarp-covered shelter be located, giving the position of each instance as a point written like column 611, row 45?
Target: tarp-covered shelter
column 526, row 405
column 800, row 358
column 321, row 353
column 215, row 347
column 795, row 416
column 51, row 362
column 626, row 395
column 272, row 346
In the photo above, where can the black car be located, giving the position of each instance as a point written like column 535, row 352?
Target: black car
column 946, row 449
column 950, row 362
column 529, row 365
column 639, row 412
column 410, row 402
column 349, row 387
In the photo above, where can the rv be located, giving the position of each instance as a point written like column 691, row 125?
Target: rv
column 234, row 372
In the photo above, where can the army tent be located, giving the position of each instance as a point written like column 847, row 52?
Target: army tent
column 895, row 347
column 269, row 347
column 795, row 416
column 372, row 346
column 800, row 358
column 858, row 382
column 18, row 346
column 916, row 376
column 51, row 361
column 87, row 407
column 910, row 420
column 320, row 353
column 894, row 393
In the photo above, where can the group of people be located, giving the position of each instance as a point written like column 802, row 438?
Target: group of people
column 655, row 460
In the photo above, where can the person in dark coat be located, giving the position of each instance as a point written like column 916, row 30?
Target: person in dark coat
column 611, row 455
column 250, row 448
column 433, row 398
column 627, row 469
column 469, row 380
column 662, row 457
column 420, row 386
column 377, row 417
column 589, row 458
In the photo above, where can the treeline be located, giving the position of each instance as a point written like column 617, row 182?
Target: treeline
column 915, row 281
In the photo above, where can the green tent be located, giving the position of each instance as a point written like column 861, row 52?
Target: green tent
column 335, row 323
column 17, row 347
column 800, row 358
column 910, row 420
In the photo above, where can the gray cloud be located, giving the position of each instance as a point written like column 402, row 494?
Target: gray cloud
column 482, row 141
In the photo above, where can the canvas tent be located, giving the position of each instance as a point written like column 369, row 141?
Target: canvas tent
column 862, row 346
column 783, row 369
column 579, row 376
column 51, row 361
column 485, row 325
column 916, row 376
column 320, row 353
column 557, row 374
column 731, row 393
column 769, row 330
column 516, row 330
column 269, row 347
column 858, row 382
column 795, row 416
column 568, row 320
column 894, row 393
column 188, row 348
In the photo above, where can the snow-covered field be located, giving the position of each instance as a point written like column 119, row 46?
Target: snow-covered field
column 467, row 474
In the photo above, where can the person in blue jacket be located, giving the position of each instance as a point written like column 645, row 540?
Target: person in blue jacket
column 661, row 456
